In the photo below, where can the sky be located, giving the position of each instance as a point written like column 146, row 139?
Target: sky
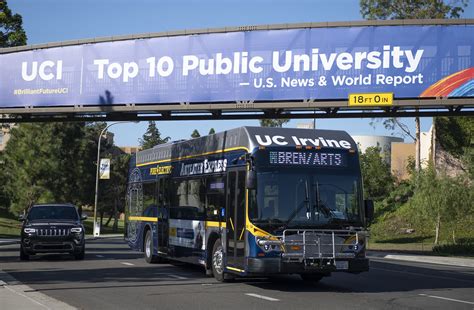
column 60, row 20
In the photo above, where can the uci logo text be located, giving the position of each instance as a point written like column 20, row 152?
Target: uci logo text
column 47, row 70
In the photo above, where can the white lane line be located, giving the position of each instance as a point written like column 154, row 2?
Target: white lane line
column 422, row 275
column 128, row 264
column 262, row 297
column 176, row 277
column 101, row 256
column 450, row 299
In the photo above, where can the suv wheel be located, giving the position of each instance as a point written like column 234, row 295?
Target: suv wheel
column 23, row 255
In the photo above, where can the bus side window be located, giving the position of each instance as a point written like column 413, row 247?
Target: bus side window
column 215, row 199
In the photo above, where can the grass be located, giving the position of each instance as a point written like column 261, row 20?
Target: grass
column 104, row 230
column 9, row 228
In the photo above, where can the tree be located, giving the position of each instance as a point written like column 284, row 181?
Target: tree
column 378, row 181
column 273, row 122
column 442, row 201
column 152, row 137
column 212, row 131
column 11, row 32
column 49, row 162
column 195, row 134
column 113, row 191
column 11, row 27
column 412, row 9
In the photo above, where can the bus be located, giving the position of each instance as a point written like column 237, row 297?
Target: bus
column 251, row 201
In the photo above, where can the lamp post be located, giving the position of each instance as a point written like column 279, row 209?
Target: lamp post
column 97, row 173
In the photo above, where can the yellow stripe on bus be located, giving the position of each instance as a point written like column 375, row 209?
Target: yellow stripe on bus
column 215, row 224
column 197, row 155
column 235, row 269
column 143, row 218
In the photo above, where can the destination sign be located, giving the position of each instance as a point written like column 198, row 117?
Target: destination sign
column 300, row 158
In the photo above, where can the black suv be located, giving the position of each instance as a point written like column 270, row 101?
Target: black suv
column 52, row 228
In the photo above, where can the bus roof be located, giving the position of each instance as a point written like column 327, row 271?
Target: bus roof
column 247, row 138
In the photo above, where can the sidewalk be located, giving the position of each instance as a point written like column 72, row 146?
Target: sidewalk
column 14, row 295
column 441, row 260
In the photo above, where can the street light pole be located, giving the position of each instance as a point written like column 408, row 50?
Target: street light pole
column 97, row 175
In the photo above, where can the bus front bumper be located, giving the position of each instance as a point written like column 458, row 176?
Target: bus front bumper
column 276, row 266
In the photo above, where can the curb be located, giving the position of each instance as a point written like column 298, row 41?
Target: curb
column 439, row 260
column 9, row 242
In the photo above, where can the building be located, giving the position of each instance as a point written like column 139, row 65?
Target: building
column 400, row 157
column 383, row 142
column 130, row 149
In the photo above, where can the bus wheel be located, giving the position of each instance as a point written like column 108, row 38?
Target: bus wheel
column 218, row 261
column 311, row 277
column 149, row 257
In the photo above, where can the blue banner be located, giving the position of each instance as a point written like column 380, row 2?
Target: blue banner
column 272, row 65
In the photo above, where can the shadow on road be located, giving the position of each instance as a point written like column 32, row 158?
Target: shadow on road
column 107, row 271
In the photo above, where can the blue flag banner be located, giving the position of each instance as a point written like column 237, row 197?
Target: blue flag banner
column 265, row 65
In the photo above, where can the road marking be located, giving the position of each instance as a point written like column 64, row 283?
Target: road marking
column 422, row 274
column 128, row 264
column 262, row 297
column 450, row 299
column 177, row 277
column 101, row 256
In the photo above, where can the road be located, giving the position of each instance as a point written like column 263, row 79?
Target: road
column 113, row 277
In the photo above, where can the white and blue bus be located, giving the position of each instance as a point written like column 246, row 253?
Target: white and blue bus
column 252, row 201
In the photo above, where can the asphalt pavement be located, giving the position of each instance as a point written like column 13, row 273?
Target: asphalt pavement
column 114, row 277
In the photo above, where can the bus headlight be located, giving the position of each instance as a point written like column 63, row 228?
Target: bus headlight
column 268, row 245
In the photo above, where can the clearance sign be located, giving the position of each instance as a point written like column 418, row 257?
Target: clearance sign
column 389, row 62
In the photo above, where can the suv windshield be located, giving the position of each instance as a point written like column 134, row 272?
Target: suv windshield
column 53, row 213
column 302, row 198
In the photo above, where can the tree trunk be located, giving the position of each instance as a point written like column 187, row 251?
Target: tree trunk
column 109, row 219
column 438, row 227
column 433, row 145
column 116, row 216
column 417, row 145
column 454, row 237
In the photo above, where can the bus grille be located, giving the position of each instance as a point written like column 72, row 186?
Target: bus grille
column 301, row 245
column 53, row 232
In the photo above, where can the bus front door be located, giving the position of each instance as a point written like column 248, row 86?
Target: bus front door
column 163, row 215
column 235, row 220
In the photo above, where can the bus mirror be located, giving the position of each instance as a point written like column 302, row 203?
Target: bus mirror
column 251, row 180
column 369, row 209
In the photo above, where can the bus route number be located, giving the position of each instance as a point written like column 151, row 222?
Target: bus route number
column 371, row 99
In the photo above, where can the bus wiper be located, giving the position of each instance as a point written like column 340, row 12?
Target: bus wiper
column 305, row 204
column 321, row 207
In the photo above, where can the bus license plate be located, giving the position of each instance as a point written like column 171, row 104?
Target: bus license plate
column 343, row 264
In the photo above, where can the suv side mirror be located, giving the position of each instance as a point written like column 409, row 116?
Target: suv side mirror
column 83, row 217
column 21, row 218
column 251, row 179
column 369, row 209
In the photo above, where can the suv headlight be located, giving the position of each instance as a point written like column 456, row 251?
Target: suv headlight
column 29, row 230
column 76, row 230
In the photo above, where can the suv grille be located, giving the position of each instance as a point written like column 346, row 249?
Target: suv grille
column 53, row 232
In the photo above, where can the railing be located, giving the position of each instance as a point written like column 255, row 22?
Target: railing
column 303, row 244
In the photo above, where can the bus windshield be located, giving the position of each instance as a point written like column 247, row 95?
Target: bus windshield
column 296, row 198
